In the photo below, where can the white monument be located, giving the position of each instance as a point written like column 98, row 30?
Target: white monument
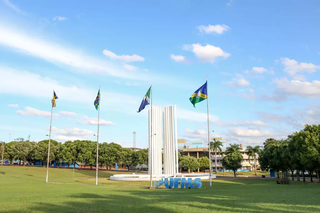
column 156, row 141
column 170, row 148
column 170, row 141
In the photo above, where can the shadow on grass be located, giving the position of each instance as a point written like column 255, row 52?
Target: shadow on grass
column 245, row 196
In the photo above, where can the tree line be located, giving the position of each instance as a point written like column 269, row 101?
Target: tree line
column 298, row 154
column 78, row 151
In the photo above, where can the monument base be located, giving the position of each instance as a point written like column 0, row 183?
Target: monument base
column 136, row 177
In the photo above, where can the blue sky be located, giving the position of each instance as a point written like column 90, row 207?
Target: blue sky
column 261, row 59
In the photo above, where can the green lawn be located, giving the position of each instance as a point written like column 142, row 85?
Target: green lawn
column 23, row 189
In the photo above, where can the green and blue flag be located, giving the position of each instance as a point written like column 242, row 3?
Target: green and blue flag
column 97, row 101
column 145, row 100
column 199, row 95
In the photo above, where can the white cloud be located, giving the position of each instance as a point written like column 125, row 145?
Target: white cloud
column 29, row 111
column 132, row 84
column 61, row 54
column 250, row 90
column 249, row 132
column 94, row 121
column 42, row 88
column 213, row 29
column 178, row 58
column 199, row 134
column 208, row 53
column 194, row 116
column 292, row 67
column 13, row 7
column 69, row 114
column 238, row 82
column 259, row 69
column 241, row 123
column 310, row 112
column 302, row 89
column 72, row 131
column 130, row 67
column 59, row 18
column 13, row 105
column 127, row 58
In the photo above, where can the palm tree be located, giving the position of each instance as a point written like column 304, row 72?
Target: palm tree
column 233, row 149
column 216, row 145
column 252, row 151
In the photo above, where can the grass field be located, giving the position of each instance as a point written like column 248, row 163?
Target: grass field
column 23, row 189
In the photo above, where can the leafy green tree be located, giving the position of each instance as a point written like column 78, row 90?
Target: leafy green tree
column 233, row 158
column 189, row 162
column 143, row 156
column 40, row 151
column 252, row 152
column 204, row 163
column 86, row 151
column 127, row 158
column 22, row 150
column 68, row 152
column 10, row 151
column 216, row 145
column 109, row 154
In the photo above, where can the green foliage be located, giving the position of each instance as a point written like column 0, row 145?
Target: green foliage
column 300, row 152
column 189, row 162
column 204, row 163
column 216, row 145
column 233, row 158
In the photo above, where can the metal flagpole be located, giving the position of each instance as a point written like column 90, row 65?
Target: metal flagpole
column 97, row 166
column 151, row 139
column 47, row 176
column 209, row 134
column 2, row 149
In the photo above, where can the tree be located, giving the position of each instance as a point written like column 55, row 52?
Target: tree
column 252, row 152
column 40, row 151
column 233, row 158
column 22, row 150
column 127, row 156
column 86, row 151
column 204, row 163
column 68, row 152
column 216, row 145
column 10, row 151
column 189, row 162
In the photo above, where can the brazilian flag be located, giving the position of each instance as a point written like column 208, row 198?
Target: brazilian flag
column 53, row 101
column 199, row 95
column 97, row 101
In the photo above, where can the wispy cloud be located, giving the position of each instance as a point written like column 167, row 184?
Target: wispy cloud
column 59, row 18
column 58, row 53
column 29, row 111
column 178, row 58
column 213, row 29
column 14, row 7
column 94, row 121
column 41, row 88
column 127, row 58
column 130, row 67
column 13, row 105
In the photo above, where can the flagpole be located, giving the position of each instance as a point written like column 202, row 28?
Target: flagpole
column 97, row 166
column 208, row 133
column 151, row 139
column 2, row 150
column 47, row 176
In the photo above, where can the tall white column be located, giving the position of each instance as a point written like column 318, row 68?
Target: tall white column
column 156, row 141
column 170, row 140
